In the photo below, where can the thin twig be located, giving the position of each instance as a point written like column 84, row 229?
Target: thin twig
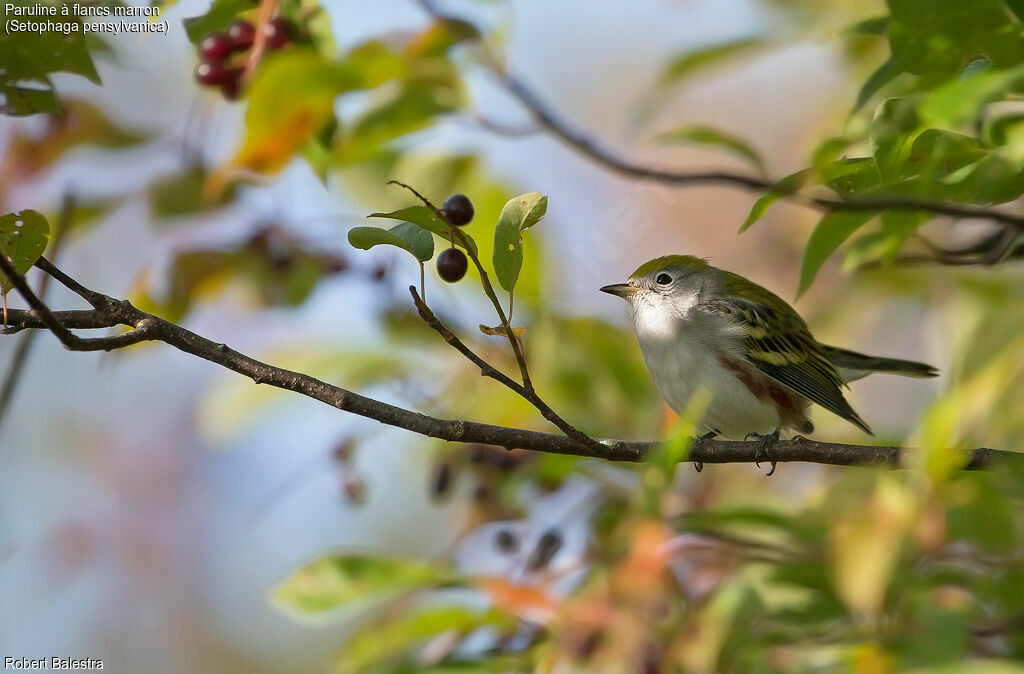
column 504, row 128
column 71, row 341
column 488, row 370
column 485, row 281
column 154, row 328
column 75, row 319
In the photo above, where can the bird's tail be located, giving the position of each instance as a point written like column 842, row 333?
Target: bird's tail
column 853, row 365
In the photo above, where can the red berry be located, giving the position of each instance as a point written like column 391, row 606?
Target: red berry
column 242, row 35
column 458, row 209
column 215, row 47
column 452, row 265
column 212, row 73
column 278, row 33
column 231, row 87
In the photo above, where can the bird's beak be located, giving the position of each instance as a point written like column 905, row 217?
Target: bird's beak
column 621, row 289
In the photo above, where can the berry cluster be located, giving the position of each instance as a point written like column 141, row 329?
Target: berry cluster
column 452, row 263
column 219, row 65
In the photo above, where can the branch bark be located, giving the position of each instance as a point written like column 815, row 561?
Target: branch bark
column 108, row 311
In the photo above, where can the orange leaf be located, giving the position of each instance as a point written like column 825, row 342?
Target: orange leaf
column 527, row 602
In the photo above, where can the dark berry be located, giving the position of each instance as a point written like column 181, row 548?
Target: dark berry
column 231, row 88
column 547, row 547
column 452, row 265
column 212, row 74
column 506, row 541
column 278, row 33
column 441, row 484
column 242, row 35
column 458, row 209
column 215, row 47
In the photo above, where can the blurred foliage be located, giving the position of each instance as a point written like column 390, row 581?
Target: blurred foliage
column 30, row 57
column 918, row 570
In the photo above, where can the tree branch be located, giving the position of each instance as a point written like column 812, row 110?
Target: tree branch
column 605, row 156
column 85, row 319
column 153, row 328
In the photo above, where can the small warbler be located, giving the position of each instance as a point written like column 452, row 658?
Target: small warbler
column 704, row 328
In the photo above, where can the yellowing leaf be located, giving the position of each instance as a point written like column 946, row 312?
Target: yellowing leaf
column 336, row 580
column 291, row 99
column 866, row 545
column 499, row 331
column 529, row 602
column 706, row 135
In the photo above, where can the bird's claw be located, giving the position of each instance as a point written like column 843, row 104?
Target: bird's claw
column 698, row 442
column 761, row 453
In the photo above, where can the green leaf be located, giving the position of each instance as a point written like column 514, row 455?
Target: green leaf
column 183, row 194
column 29, row 55
column 786, row 185
column 336, row 580
column 28, row 58
column 832, row 230
column 939, row 38
column 292, row 99
column 428, row 220
column 691, row 62
column 519, row 214
column 850, row 177
column 20, row 101
column 829, row 151
column 410, row 108
column 406, row 235
column 963, row 99
column 876, row 25
column 885, row 73
column 23, row 238
column 894, row 128
column 706, row 135
column 394, row 641
column 883, row 245
column 217, row 18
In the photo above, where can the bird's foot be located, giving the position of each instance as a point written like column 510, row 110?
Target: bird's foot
column 698, row 443
column 761, row 453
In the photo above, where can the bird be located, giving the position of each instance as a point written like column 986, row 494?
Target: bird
column 751, row 356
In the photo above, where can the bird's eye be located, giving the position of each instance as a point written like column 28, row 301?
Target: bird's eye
column 663, row 279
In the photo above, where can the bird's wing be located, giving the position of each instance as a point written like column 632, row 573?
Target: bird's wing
column 777, row 341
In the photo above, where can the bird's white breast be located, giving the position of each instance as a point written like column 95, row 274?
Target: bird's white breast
column 682, row 349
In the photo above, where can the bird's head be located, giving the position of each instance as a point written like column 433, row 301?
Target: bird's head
column 670, row 284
